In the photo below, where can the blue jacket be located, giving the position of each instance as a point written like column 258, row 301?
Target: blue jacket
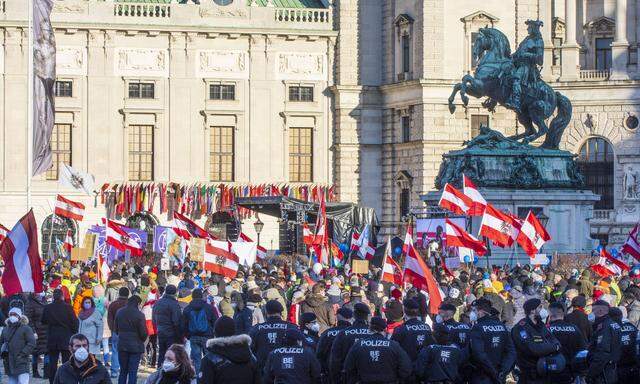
column 199, row 305
column 167, row 317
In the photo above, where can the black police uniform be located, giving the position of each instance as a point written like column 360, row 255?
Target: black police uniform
column 376, row 359
column 341, row 346
column 459, row 335
column 491, row 349
column 324, row 348
column 412, row 336
column 532, row 341
column 292, row 365
column 571, row 341
column 604, row 351
column 440, row 363
column 268, row 336
column 628, row 372
column 310, row 340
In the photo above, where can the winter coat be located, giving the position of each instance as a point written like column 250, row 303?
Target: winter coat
column 112, row 290
column 243, row 320
column 114, row 307
column 167, row 317
column 226, row 308
column 130, row 327
column 586, row 287
column 61, row 323
column 194, row 306
column 229, row 361
column 319, row 306
column 33, row 310
column 92, row 372
column 21, row 342
column 156, row 378
column 518, row 303
column 257, row 317
column 633, row 313
column 580, row 319
column 92, row 328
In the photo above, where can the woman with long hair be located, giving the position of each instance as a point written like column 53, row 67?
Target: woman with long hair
column 176, row 368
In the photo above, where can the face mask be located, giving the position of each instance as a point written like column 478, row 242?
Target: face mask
column 87, row 305
column 314, row 327
column 169, row 366
column 544, row 314
column 591, row 317
column 473, row 316
column 81, row 354
column 13, row 319
column 439, row 319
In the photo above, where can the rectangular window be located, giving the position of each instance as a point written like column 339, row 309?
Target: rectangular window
column 141, row 152
column 63, row 89
column 557, row 51
column 60, row 149
column 221, row 153
column 633, row 55
column 406, row 53
column 301, row 154
column 405, row 202
column 476, row 122
column 603, row 53
column 142, row 90
column 298, row 93
column 474, row 60
column 406, row 129
column 222, row 92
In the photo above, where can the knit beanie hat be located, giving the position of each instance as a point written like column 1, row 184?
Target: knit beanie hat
column 224, row 327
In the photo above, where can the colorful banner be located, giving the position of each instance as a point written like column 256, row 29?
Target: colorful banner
column 110, row 253
column 160, row 238
column 433, row 229
column 176, row 248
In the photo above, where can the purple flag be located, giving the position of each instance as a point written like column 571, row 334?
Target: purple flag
column 160, row 238
column 110, row 253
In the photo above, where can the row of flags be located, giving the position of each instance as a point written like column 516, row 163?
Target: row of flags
column 502, row 228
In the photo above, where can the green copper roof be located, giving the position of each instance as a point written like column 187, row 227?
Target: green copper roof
column 292, row 3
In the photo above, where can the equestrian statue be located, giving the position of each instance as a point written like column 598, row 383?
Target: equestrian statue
column 513, row 81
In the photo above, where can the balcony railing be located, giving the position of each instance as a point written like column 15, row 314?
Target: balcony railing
column 595, row 74
column 603, row 215
column 142, row 10
column 298, row 15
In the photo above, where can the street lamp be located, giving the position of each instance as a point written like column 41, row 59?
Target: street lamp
column 258, row 225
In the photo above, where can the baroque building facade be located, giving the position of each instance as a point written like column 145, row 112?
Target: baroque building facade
column 395, row 68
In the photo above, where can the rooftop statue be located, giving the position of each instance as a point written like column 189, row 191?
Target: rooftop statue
column 513, row 81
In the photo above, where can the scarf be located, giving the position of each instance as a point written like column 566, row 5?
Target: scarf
column 85, row 313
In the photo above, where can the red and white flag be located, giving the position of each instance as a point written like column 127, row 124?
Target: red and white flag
column 261, row 252
column 69, row 209
column 632, row 245
column 22, row 265
column 321, row 239
column 608, row 265
column 219, row 259
column 391, row 272
column 417, row 273
column 614, row 260
column 307, row 235
column 454, row 200
column 355, row 241
column 119, row 239
column 4, row 231
column 68, row 242
column 187, row 228
column 532, row 235
column 478, row 203
column 500, row 227
column 458, row 237
column 103, row 269
column 362, row 246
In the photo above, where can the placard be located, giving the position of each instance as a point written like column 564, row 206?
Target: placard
column 165, row 265
column 79, row 254
column 360, row 266
column 452, row 262
column 89, row 242
column 539, row 259
column 196, row 248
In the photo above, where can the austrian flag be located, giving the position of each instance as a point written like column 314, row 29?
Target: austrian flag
column 532, row 235
column 119, row 239
column 454, row 200
column 500, row 227
column 219, row 259
column 391, row 272
column 632, row 245
column 69, row 209
column 458, row 237
column 478, row 203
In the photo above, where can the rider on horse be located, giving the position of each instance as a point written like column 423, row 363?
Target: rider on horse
column 527, row 61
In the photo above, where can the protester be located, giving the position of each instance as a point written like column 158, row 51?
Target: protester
column 198, row 319
column 90, row 325
column 167, row 318
column 33, row 309
column 18, row 341
column 317, row 304
column 119, row 303
column 82, row 367
column 130, row 327
column 176, row 368
column 61, row 323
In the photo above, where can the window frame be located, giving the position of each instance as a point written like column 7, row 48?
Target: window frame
column 599, row 170
column 56, row 88
column 295, row 167
column 140, row 92
column 220, row 153
column 405, row 125
column 139, row 154
column 53, row 173
column 221, row 93
column 405, row 41
column 299, row 96
column 608, row 54
column 404, row 202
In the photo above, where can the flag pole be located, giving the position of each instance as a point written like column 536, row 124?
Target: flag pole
column 30, row 107
column 387, row 251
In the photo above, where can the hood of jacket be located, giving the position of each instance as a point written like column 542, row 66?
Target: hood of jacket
column 197, row 304
column 315, row 301
column 24, row 320
column 234, row 348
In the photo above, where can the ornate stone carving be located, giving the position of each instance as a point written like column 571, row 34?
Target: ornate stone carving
column 301, row 66
column 558, row 27
column 67, row 6
column 222, row 12
column 631, row 182
column 225, row 64
column 71, row 61
column 141, row 62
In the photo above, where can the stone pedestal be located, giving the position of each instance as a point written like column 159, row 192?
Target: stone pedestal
column 569, row 212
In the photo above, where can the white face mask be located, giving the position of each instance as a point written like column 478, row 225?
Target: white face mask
column 439, row 319
column 169, row 366
column 81, row 354
column 592, row 317
column 13, row 319
column 544, row 314
column 473, row 316
column 314, row 327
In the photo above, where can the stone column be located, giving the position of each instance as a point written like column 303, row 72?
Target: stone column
column 620, row 46
column 546, row 13
column 570, row 48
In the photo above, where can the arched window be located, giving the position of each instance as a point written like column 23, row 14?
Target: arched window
column 595, row 161
column 54, row 234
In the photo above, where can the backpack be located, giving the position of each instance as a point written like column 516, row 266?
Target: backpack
column 198, row 323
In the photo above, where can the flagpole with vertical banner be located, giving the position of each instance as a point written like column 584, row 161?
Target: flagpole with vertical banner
column 30, row 109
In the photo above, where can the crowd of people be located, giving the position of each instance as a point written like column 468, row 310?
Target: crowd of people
column 280, row 323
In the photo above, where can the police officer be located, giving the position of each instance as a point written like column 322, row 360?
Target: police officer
column 604, row 348
column 292, row 363
column 628, row 363
column 346, row 338
column 491, row 347
column 440, row 362
column 269, row 335
column 375, row 359
column 345, row 317
column 458, row 332
column 413, row 334
column 532, row 340
column 571, row 341
column 310, row 328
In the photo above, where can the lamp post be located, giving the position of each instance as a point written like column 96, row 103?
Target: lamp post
column 258, row 225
